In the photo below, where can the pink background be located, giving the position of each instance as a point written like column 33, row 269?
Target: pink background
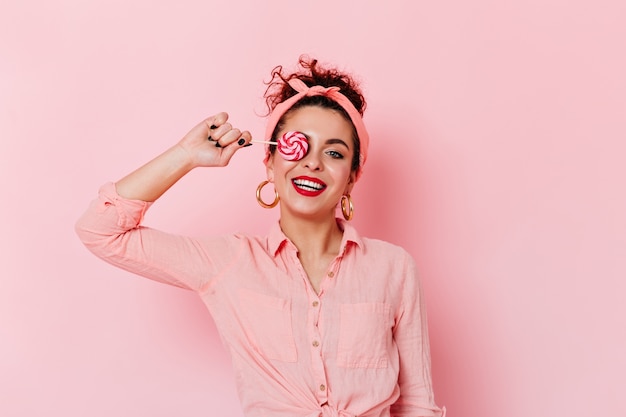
column 497, row 160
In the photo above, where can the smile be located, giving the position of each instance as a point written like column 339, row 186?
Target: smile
column 308, row 186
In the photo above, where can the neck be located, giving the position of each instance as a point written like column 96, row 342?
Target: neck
column 313, row 237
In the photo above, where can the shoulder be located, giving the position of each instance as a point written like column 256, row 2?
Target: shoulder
column 393, row 267
column 387, row 260
column 382, row 248
column 373, row 248
column 234, row 244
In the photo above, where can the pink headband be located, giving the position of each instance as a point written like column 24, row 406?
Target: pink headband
column 330, row 92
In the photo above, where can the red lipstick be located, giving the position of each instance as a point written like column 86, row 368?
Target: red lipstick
column 307, row 186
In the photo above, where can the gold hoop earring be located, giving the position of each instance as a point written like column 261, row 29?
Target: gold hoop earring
column 348, row 212
column 260, row 200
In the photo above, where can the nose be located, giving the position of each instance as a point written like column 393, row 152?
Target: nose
column 312, row 160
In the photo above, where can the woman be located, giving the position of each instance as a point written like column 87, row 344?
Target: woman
column 318, row 320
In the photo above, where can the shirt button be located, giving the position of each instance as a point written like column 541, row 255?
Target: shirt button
column 315, row 303
column 322, row 387
column 316, row 343
column 331, row 274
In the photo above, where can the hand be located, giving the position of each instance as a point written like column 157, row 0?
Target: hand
column 200, row 143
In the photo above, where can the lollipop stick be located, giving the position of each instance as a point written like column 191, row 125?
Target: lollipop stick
column 269, row 142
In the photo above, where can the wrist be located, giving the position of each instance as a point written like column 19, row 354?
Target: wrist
column 182, row 158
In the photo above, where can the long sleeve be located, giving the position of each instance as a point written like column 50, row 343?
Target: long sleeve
column 111, row 229
column 411, row 336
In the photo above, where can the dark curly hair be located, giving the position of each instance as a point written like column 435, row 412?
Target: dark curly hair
column 312, row 73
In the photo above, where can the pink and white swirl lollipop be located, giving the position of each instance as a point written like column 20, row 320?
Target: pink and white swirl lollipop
column 292, row 146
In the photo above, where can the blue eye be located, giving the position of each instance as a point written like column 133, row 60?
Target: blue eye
column 335, row 154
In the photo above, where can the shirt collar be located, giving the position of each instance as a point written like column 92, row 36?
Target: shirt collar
column 276, row 238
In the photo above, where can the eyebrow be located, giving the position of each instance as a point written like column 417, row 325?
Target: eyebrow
column 332, row 141
column 337, row 141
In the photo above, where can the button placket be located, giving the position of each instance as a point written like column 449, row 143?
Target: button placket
column 334, row 267
column 317, row 361
column 316, row 337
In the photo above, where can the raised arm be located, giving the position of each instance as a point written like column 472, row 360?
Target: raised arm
column 111, row 227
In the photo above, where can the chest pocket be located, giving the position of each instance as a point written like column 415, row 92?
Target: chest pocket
column 268, row 325
column 365, row 335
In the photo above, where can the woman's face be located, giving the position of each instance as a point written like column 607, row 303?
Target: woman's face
column 312, row 186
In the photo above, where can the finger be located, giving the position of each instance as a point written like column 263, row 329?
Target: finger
column 246, row 139
column 219, row 131
column 216, row 121
column 234, row 145
column 228, row 138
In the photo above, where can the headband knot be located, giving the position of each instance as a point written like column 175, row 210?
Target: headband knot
column 332, row 93
column 317, row 90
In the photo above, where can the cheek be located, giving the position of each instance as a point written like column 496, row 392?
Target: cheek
column 343, row 175
column 281, row 168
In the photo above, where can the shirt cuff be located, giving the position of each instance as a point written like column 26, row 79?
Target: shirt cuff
column 130, row 213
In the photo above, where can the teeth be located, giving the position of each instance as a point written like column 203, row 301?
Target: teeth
column 314, row 186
